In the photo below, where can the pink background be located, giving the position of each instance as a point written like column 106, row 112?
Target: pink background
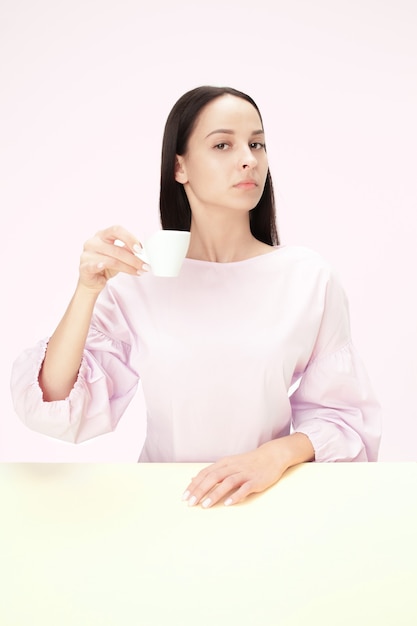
column 85, row 88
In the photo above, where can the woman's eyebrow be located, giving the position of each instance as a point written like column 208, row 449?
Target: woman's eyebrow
column 227, row 131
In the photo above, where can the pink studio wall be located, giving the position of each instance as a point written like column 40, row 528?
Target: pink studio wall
column 85, row 88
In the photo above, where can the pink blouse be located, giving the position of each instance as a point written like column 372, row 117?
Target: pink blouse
column 218, row 351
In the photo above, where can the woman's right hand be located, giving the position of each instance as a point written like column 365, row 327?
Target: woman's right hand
column 102, row 258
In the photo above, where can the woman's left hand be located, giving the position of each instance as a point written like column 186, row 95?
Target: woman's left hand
column 239, row 475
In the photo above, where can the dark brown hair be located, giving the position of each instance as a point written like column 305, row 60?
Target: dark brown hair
column 174, row 207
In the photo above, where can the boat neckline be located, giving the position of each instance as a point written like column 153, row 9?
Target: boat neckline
column 274, row 250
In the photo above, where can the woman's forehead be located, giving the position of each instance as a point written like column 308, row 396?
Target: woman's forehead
column 229, row 113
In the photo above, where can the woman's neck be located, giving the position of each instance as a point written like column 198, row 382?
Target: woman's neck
column 224, row 241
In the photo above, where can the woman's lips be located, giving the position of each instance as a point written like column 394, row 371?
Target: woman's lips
column 246, row 184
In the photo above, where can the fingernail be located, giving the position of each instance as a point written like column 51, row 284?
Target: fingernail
column 192, row 501
column 137, row 248
column 228, row 502
column 146, row 267
column 206, row 503
column 185, row 495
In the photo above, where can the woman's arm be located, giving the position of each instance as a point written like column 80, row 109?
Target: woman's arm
column 101, row 260
column 65, row 347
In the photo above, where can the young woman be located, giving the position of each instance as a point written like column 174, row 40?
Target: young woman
column 217, row 348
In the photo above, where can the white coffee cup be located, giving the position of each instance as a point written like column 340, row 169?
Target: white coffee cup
column 165, row 251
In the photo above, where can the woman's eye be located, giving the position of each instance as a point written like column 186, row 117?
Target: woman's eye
column 256, row 145
column 221, row 146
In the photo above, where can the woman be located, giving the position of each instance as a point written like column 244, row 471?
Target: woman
column 218, row 348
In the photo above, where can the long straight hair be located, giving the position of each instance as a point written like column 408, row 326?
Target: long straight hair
column 175, row 210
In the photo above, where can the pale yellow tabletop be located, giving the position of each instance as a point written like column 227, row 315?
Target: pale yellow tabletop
column 114, row 545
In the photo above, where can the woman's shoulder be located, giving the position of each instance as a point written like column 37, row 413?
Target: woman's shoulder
column 300, row 252
column 298, row 255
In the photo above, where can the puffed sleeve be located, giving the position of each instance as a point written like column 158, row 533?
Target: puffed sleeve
column 334, row 404
column 105, row 385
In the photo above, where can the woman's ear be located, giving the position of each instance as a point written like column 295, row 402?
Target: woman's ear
column 180, row 172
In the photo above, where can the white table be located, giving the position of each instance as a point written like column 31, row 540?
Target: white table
column 114, row 545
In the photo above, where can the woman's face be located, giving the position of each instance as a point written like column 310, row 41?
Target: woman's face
column 225, row 165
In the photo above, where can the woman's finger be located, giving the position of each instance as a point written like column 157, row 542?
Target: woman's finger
column 117, row 233
column 243, row 492
column 113, row 251
column 204, row 482
column 230, row 484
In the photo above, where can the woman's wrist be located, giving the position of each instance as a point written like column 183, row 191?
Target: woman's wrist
column 292, row 449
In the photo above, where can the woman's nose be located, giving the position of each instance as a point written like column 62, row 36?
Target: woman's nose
column 247, row 159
